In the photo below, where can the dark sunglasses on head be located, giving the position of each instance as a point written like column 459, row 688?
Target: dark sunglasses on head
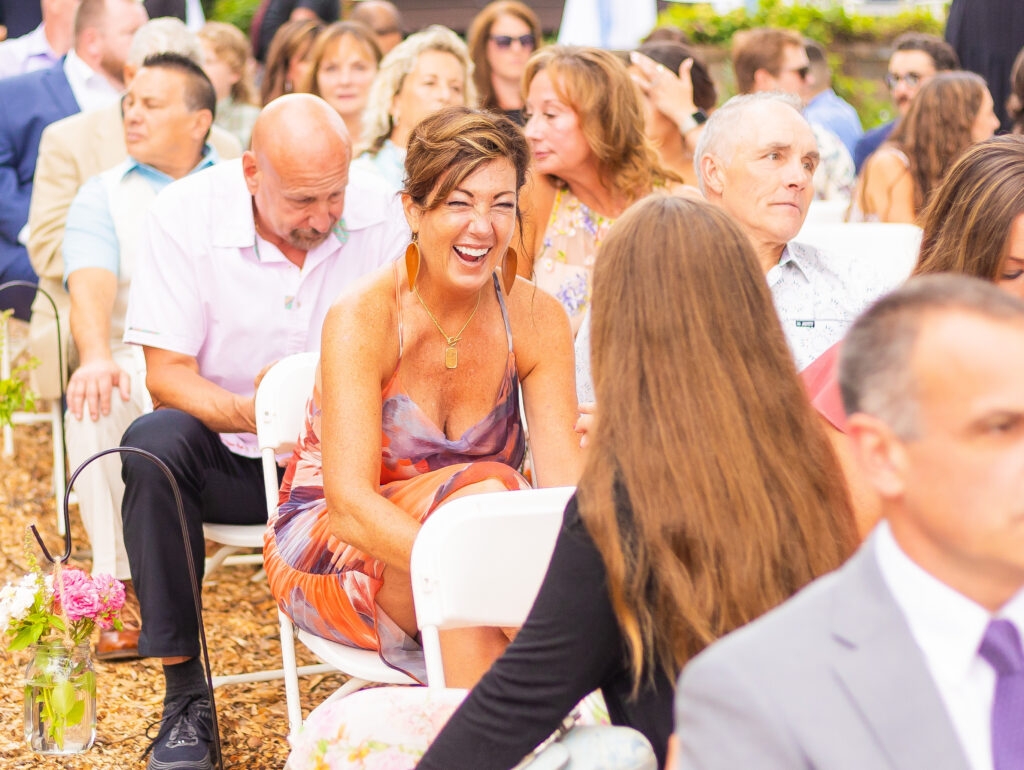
column 911, row 79
column 505, row 41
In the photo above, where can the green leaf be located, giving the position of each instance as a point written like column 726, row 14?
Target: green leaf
column 77, row 712
column 26, row 636
column 63, row 698
column 87, row 682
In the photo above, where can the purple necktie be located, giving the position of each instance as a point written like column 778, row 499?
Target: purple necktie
column 1001, row 648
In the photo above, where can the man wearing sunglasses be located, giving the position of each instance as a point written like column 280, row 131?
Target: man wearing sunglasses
column 916, row 58
column 768, row 59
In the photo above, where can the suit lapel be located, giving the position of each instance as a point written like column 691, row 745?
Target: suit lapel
column 57, row 83
column 884, row 672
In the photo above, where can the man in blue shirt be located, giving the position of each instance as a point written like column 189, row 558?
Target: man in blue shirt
column 823, row 105
column 168, row 110
column 916, row 59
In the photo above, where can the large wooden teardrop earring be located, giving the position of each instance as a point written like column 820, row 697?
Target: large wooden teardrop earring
column 508, row 269
column 412, row 260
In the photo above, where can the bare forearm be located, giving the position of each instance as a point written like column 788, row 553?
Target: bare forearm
column 180, row 387
column 92, row 302
column 374, row 525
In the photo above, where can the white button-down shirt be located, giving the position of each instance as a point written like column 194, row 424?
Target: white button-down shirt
column 204, row 286
column 90, row 89
column 948, row 627
column 817, row 298
column 26, row 53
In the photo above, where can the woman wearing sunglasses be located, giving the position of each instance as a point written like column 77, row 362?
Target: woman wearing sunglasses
column 501, row 39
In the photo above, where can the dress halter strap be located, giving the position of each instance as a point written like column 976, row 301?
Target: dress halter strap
column 504, row 310
column 398, row 303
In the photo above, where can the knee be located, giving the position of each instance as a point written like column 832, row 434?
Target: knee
column 169, row 434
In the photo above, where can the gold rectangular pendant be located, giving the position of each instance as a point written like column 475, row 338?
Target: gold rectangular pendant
column 451, row 358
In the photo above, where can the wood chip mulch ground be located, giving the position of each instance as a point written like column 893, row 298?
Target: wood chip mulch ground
column 241, row 626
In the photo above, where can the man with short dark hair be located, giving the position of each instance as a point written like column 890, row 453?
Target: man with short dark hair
column 916, row 58
column 87, row 78
column 769, row 59
column 238, row 266
column 909, row 656
column 168, row 111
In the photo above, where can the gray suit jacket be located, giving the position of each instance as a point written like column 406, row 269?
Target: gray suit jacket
column 830, row 680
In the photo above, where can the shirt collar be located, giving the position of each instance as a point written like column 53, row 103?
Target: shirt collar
column 947, row 626
column 799, row 255
column 36, row 44
column 209, row 158
column 73, row 64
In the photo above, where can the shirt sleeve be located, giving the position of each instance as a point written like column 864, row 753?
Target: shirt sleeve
column 568, row 646
column 165, row 309
column 90, row 238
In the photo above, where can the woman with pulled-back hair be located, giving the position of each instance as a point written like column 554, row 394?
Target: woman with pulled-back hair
column 417, row 401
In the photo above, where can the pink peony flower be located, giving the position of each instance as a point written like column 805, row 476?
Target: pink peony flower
column 111, row 593
column 77, row 592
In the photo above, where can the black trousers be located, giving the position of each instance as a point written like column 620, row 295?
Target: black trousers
column 216, row 486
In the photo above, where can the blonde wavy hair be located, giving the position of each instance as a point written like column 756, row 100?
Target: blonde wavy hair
column 396, row 65
column 598, row 88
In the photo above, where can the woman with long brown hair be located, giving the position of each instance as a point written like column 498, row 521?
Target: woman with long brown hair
column 952, row 111
column 704, row 502
column 591, row 160
column 288, row 58
column 501, row 39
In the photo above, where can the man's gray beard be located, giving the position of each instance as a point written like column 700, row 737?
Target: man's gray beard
column 307, row 239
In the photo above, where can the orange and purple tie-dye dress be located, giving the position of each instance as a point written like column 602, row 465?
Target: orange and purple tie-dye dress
column 328, row 587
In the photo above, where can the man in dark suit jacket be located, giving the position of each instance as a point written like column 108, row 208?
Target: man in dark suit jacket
column 33, row 101
column 179, row 9
column 909, row 656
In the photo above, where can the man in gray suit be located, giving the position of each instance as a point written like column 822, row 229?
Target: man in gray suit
column 909, row 656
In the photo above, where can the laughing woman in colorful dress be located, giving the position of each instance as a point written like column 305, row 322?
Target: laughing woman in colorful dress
column 416, row 400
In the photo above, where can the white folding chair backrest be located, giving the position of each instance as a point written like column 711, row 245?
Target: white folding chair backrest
column 827, row 212
column 281, row 413
column 888, row 251
column 480, row 560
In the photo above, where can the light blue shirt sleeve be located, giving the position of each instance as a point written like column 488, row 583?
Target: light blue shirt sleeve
column 90, row 239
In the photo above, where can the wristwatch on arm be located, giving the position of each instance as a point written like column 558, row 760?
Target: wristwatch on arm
column 693, row 121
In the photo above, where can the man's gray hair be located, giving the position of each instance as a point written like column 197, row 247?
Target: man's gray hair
column 719, row 134
column 163, row 35
column 875, row 367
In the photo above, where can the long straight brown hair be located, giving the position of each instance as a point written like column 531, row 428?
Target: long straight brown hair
column 736, row 498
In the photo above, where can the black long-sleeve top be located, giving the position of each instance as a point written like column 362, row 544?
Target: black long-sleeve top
column 569, row 646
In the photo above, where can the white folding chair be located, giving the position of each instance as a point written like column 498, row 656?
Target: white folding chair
column 280, row 415
column 479, row 561
column 886, row 250
column 828, row 212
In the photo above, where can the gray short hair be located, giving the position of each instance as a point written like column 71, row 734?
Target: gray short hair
column 875, row 373
column 718, row 136
column 394, row 68
column 164, row 35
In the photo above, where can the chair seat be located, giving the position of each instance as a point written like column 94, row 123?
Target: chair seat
column 356, row 662
column 239, row 535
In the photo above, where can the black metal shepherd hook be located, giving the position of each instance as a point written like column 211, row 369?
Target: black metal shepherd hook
column 60, row 368
column 196, row 595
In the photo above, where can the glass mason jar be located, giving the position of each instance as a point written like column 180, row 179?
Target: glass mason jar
column 60, row 699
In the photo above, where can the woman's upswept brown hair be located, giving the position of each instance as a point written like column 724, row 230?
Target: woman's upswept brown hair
column 598, row 88
column 480, row 32
column 289, row 39
column 967, row 224
column 327, row 37
column 451, row 144
column 737, row 499
column 937, row 128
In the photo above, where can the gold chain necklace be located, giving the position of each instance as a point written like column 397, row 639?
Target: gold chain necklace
column 451, row 355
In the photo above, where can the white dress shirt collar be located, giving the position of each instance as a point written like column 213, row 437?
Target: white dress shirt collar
column 948, row 628
column 90, row 88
